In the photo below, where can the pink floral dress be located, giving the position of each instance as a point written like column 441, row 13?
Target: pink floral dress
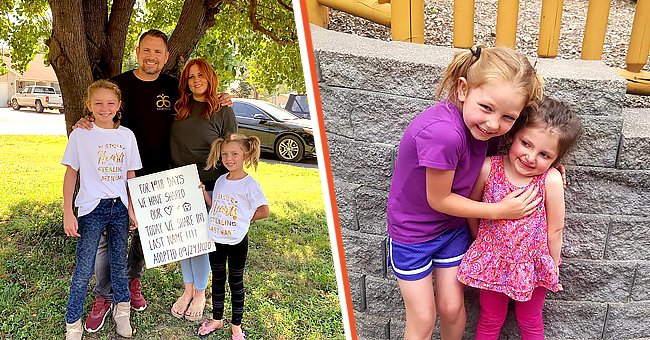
column 510, row 256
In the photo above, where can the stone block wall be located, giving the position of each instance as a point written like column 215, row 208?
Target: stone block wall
column 372, row 89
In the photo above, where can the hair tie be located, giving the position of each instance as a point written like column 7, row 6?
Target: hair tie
column 476, row 51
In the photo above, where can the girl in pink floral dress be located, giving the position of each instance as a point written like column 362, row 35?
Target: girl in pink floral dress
column 518, row 259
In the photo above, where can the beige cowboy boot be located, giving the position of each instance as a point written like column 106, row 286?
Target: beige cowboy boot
column 122, row 316
column 74, row 331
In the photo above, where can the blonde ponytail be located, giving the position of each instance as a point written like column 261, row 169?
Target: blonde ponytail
column 214, row 157
column 252, row 156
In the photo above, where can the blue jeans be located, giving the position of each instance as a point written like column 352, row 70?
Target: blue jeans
column 112, row 215
column 196, row 270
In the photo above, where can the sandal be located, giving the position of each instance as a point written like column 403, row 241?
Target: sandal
column 210, row 330
column 193, row 310
column 240, row 336
column 179, row 305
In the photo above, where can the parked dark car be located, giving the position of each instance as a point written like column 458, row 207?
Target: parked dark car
column 297, row 104
column 281, row 132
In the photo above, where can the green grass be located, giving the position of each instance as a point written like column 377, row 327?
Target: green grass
column 290, row 283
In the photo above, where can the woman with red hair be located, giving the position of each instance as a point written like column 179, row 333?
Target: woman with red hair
column 200, row 120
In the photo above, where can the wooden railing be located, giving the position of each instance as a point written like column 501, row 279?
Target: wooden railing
column 406, row 20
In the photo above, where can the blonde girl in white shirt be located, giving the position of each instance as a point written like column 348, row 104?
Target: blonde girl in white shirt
column 237, row 200
column 104, row 157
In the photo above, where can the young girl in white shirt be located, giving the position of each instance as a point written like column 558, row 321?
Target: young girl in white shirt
column 104, row 157
column 237, row 200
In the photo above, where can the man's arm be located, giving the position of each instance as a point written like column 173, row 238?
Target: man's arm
column 224, row 99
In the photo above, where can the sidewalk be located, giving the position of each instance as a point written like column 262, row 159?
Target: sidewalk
column 29, row 122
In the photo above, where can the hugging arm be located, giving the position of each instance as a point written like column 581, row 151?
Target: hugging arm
column 477, row 194
column 562, row 171
column 224, row 99
column 515, row 205
column 84, row 123
column 555, row 213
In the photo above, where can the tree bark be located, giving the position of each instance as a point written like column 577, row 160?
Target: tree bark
column 118, row 27
column 195, row 19
column 96, row 12
column 69, row 56
column 86, row 44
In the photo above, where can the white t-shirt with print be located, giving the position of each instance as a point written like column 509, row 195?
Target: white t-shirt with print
column 233, row 205
column 102, row 157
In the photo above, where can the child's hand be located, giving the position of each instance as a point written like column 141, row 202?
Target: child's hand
column 133, row 222
column 133, row 225
column 562, row 171
column 206, row 195
column 519, row 203
column 70, row 225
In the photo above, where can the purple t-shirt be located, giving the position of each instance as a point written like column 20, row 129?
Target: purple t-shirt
column 437, row 138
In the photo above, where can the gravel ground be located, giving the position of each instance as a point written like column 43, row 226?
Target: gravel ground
column 439, row 29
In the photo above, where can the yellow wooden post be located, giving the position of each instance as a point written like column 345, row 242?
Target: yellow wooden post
column 637, row 50
column 463, row 23
column 407, row 20
column 317, row 13
column 507, row 14
column 367, row 9
column 595, row 29
column 549, row 28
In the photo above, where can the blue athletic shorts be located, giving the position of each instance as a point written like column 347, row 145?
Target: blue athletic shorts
column 413, row 262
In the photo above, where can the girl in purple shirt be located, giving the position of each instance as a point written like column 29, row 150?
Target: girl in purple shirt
column 444, row 147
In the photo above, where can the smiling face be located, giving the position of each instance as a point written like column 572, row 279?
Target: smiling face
column 491, row 109
column 197, row 82
column 232, row 156
column 103, row 103
column 152, row 56
column 533, row 151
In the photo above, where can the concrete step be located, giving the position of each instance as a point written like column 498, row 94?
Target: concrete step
column 634, row 151
column 415, row 70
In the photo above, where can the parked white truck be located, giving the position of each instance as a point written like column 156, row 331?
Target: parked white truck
column 39, row 97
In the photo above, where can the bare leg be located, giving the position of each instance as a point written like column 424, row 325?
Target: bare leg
column 420, row 305
column 451, row 303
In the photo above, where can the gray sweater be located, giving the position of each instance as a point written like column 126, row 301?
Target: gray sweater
column 191, row 139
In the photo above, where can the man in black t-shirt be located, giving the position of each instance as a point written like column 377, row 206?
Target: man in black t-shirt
column 148, row 99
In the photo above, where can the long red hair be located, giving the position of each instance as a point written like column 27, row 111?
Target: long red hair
column 183, row 104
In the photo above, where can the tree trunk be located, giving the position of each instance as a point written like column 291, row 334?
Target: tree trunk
column 195, row 19
column 69, row 56
column 86, row 44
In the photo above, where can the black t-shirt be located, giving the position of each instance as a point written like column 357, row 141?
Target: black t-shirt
column 148, row 110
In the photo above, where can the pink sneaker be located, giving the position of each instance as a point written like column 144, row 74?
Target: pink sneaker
column 100, row 309
column 138, row 302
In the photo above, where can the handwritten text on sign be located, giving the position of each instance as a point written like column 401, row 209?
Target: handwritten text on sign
column 172, row 215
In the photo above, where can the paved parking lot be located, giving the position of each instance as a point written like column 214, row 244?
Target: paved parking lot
column 27, row 121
